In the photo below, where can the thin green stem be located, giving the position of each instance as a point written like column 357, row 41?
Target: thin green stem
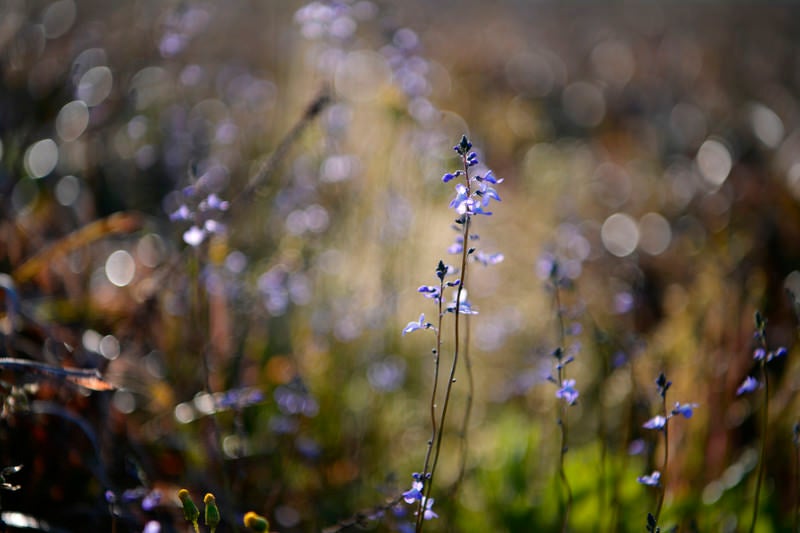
column 468, row 408
column 796, row 481
column 662, row 485
column 762, row 453
column 434, row 427
column 561, row 472
column 562, row 420
column 456, row 346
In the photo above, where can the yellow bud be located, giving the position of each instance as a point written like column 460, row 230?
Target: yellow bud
column 190, row 511
column 256, row 522
column 212, row 511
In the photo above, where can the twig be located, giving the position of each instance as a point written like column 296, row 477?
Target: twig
column 268, row 168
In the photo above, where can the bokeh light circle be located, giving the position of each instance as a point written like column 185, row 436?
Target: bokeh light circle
column 120, row 268
column 95, row 85
column 655, row 233
column 41, row 158
column 72, row 120
column 620, row 234
column 714, row 161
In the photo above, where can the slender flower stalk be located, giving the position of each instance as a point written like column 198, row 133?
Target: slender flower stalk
column 660, row 422
column 473, row 194
column 456, row 337
column 796, row 442
column 441, row 271
column 662, row 486
column 750, row 384
column 467, row 408
column 566, row 388
column 760, row 354
column 763, row 445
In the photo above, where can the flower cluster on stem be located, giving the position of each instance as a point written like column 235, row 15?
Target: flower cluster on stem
column 567, row 391
column 473, row 194
column 660, row 422
column 761, row 356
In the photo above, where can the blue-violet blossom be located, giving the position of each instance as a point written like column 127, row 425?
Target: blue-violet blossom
column 653, row 480
column 749, row 385
column 568, row 392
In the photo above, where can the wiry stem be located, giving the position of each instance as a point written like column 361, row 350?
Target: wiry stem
column 762, row 453
column 454, row 365
column 662, row 485
column 467, row 409
column 796, row 442
column 363, row 518
column 434, row 427
column 562, row 421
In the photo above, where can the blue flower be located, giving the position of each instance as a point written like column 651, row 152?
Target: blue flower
column 490, row 178
column 414, row 326
column 464, row 306
column 759, row 354
column 457, row 247
column 415, row 493
column 487, row 192
column 449, row 176
column 653, row 480
column 780, row 352
column 657, row 422
column 568, row 392
column 430, row 291
column 214, row 202
column 428, row 513
column 749, row 385
column 151, row 500
column 488, row 259
column 152, row 527
column 476, row 208
column 194, row 236
column 459, row 202
column 182, row 213
column 685, row 409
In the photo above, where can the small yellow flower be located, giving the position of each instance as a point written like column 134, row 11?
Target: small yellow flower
column 212, row 511
column 190, row 511
column 256, row 522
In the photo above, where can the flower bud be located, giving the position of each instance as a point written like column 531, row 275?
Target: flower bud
column 256, row 522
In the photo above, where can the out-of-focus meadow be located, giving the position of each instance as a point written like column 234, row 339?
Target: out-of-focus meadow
column 226, row 208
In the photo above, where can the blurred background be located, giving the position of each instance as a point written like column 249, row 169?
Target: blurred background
column 227, row 209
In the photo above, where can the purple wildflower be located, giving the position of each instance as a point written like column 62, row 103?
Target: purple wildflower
column 488, row 259
column 568, row 392
column 428, row 513
column 653, row 480
column 415, row 492
column 684, row 409
column 749, row 385
column 420, row 324
column 657, row 422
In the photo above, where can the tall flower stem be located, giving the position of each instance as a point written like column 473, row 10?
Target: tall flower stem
column 796, row 442
column 763, row 446
column 465, row 222
column 662, row 486
column 562, row 420
column 763, row 358
column 468, row 408
column 434, row 392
